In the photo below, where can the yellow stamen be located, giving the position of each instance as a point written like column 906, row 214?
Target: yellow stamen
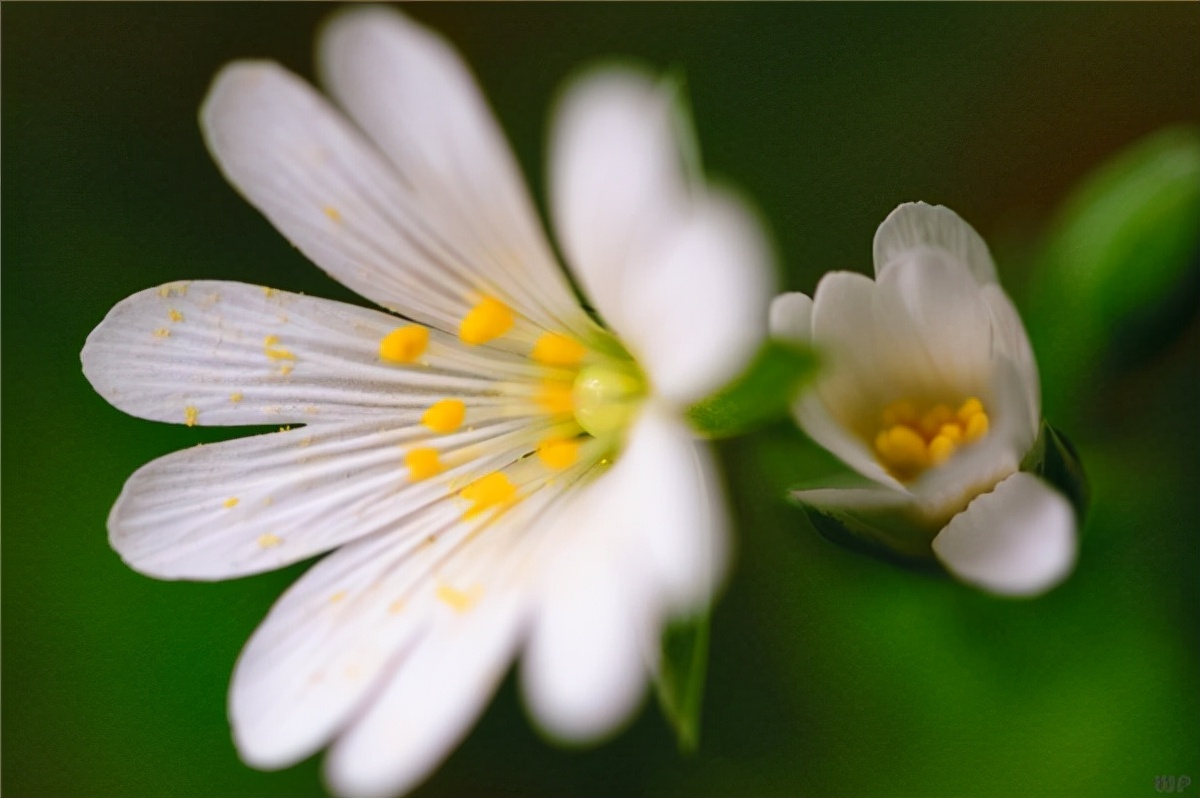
column 404, row 344
column 487, row 321
column 902, row 448
column 940, row 449
column 555, row 349
column 933, row 420
column 269, row 541
column 422, row 463
column 977, row 427
column 458, row 600
column 968, row 409
column 232, row 501
column 558, row 453
column 493, row 490
column 445, row 415
column 951, row 431
column 191, row 415
column 556, row 397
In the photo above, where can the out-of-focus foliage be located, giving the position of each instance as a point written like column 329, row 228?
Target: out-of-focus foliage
column 1121, row 269
column 761, row 395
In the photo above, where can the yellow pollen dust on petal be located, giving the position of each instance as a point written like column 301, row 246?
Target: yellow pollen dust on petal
column 404, row 344
column 555, row 349
column 174, row 315
column 273, row 351
column 445, row 415
column 191, row 415
column 338, row 596
column 236, row 397
column 162, row 332
column 558, row 453
column 422, row 463
column 458, row 600
column 485, row 322
column 556, row 397
column 493, row 490
column 231, row 502
column 269, row 541
column 333, row 213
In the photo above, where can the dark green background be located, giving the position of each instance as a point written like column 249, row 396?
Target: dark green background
column 832, row 674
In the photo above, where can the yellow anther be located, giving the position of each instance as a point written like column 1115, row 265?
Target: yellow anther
column 558, row 453
column 951, row 431
column 934, row 418
column 191, row 415
column 422, row 463
column 269, row 541
column 940, row 449
column 174, row 315
column 487, row 321
column 404, row 344
column 556, row 397
column 494, row 490
column 445, row 415
column 236, row 397
column 232, row 501
column 458, row 600
column 968, row 409
column 977, row 427
column 901, row 412
column 162, row 332
column 902, row 448
column 333, row 213
column 555, row 349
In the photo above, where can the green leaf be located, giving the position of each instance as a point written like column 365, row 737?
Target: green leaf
column 1119, row 274
column 761, row 395
column 680, row 683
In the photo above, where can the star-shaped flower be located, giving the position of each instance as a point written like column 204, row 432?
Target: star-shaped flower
column 931, row 393
column 496, row 472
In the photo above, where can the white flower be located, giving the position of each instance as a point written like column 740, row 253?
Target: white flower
column 931, row 393
column 497, row 473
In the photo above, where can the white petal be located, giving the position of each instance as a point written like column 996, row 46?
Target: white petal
column 1010, row 340
column 1017, row 540
column 791, row 318
column 410, row 92
column 616, row 177
column 217, row 353
column 646, row 538
column 916, row 225
column 933, row 332
column 818, row 423
column 339, row 200
column 683, row 275
column 693, row 311
column 843, row 323
column 262, row 502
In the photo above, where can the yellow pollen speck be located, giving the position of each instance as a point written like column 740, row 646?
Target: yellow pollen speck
column 458, row 600
column 445, row 415
column 174, row 315
column 235, row 397
column 269, row 541
column 556, row 397
column 269, row 292
column 494, row 490
column 164, row 291
column 333, row 213
column 338, row 596
column 232, row 501
column 422, row 463
column 191, row 415
column 285, row 369
column 404, row 344
column 555, row 349
column 487, row 321
column 161, row 332
column 396, row 606
column 274, row 352
column 558, row 453
column 976, row 428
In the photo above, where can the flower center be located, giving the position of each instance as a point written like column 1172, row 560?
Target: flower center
column 912, row 439
column 606, row 395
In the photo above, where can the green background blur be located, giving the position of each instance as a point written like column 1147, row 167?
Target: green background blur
column 832, row 673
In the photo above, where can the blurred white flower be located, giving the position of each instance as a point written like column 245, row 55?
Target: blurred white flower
column 931, row 392
column 497, row 472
